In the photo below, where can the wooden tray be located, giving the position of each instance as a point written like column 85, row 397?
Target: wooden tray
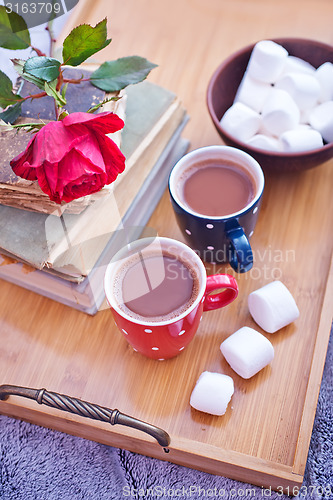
column 264, row 437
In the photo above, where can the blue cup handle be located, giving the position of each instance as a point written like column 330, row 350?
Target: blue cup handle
column 240, row 252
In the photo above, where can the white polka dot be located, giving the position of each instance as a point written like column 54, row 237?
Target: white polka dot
column 255, row 210
column 182, row 348
column 155, row 348
column 209, row 226
column 182, row 332
column 187, row 231
column 210, row 247
column 250, row 234
column 161, row 359
column 124, row 331
column 147, row 330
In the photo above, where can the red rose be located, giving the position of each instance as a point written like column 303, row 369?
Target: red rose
column 73, row 157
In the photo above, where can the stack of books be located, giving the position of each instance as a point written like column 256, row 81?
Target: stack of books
column 65, row 257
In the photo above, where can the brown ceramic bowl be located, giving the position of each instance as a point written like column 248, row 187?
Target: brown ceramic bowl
column 222, row 90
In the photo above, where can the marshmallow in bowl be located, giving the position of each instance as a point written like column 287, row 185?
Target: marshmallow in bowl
column 272, row 306
column 267, row 61
column 253, row 93
column 321, row 119
column 271, row 71
column 265, row 142
column 212, row 393
column 296, row 64
column 324, row 74
column 247, row 351
column 279, row 113
column 240, row 121
column 302, row 87
column 300, row 139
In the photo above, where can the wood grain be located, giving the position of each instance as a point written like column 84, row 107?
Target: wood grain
column 264, row 436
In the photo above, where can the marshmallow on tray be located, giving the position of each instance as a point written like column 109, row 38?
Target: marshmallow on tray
column 212, row 393
column 301, row 139
column 273, row 307
column 279, row 113
column 267, row 61
column 247, row 351
column 240, row 121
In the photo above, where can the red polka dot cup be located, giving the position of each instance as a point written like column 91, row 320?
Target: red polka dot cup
column 157, row 289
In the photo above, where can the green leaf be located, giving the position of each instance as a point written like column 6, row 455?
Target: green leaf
column 11, row 114
column 116, row 75
column 7, row 96
column 26, row 127
column 63, row 115
column 43, row 68
column 100, row 104
column 14, row 33
column 64, row 90
column 84, row 41
column 19, row 66
column 50, row 89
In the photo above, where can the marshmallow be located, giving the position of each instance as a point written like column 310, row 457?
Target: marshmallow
column 293, row 63
column 240, row 121
column 265, row 142
column 267, row 61
column 324, row 75
column 252, row 93
column 321, row 119
column 247, row 351
column 301, row 139
column 212, row 393
column 272, row 307
column 279, row 113
column 302, row 87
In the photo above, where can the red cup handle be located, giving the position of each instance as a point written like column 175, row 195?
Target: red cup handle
column 222, row 298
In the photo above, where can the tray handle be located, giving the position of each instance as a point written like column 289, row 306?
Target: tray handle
column 85, row 409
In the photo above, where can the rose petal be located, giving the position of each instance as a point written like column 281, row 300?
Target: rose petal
column 86, row 185
column 53, row 142
column 89, row 148
column 21, row 164
column 113, row 158
column 104, row 123
column 48, row 182
column 75, row 172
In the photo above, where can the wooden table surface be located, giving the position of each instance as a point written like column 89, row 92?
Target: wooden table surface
column 45, row 344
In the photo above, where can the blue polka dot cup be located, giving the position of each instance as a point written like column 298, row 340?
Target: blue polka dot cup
column 146, row 288
column 218, row 237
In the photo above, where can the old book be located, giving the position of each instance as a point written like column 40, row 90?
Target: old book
column 70, row 245
column 88, row 296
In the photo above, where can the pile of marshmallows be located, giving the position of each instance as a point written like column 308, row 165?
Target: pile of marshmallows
column 283, row 103
column 247, row 351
